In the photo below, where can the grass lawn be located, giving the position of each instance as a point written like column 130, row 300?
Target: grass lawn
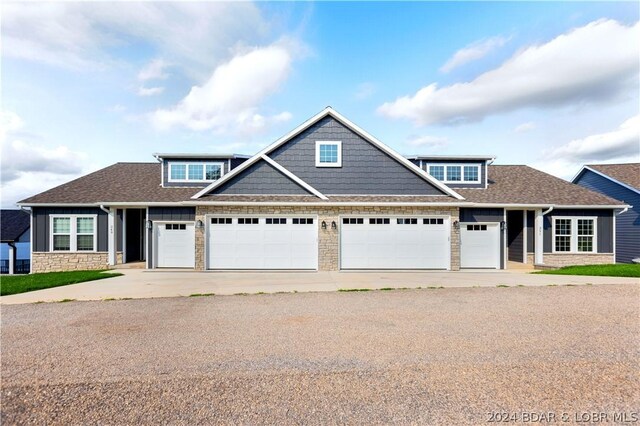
column 15, row 284
column 619, row 270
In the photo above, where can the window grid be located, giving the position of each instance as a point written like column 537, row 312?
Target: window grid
column 470, row 173
column 84, row 233
column 407, row 221
column 302, row 221
column 437, row 172
column 379, row 221
column 221, row 220
column 329, row 153
column 248, row 221
column 476, row 227
column 353, row 220
column 454, row 174
column 276, row 221
column 574, row 235
column 195, row 172
column 433, row 221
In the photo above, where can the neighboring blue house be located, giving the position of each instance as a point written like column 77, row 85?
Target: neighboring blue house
column 622, row 182
column 15, row 236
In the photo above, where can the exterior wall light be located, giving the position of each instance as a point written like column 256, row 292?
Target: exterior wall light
column 503, row 225
column 199, row 224
column 456, row 224
column 324, row 225
column 333, row 225
column 149, row 224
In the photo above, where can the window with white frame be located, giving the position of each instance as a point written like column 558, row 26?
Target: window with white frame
column 195, row 172
column 455, row 173
column 574, row 234
column 73, row 233
column 328, row 154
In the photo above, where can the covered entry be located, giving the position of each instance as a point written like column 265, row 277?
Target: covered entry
column 391, row 242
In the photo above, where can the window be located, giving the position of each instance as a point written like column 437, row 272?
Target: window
column 437, row 172
column 221, row 221
column 175, row 226
column 433, row 221
column 353, row 221
column 408, row 221
column 73, row 233
column 379, row 221
column 302, row 221
column 195, row 172
column 328, row 154
column 574, row 234
column 276, row 221
column 455, row 173
column 476, row 227
column 248, row 221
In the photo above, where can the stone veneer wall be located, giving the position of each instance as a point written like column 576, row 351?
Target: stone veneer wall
column 561, row 259
column 52, row 262
column 328, row 239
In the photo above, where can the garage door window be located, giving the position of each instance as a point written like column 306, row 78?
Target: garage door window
column 476, row 227
column 408, row 221
column 302, row 221
column 221, row 221
column 175, row 226
column 248, row 221
column 276, row 221
column 353, row 220
column 433, row 221
column 379, row 221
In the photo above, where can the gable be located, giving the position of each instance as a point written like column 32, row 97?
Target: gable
column 603, row 185
column 366, row 169
column 260, row 178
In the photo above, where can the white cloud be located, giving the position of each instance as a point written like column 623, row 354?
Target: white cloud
column 82, row 35
column 365, row 91
column 476, row 50
column 620, row 145
column 229, row 100
column 427, row 141
column 27, row 167
column 525, row 127
column 150, row 91
column 154, row 70
column 592, row 63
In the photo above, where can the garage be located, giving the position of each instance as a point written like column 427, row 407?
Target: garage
column 480, row 245
column 252, row 242
column 175, row 245
column 391, row 242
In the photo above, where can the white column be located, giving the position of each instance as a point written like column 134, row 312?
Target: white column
column 538, row 241
column 112, row 236
column 12, row 258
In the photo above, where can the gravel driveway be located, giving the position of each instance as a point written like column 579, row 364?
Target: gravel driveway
column 432, row 356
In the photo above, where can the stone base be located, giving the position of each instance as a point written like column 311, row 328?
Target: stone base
column 53, row 262
column 560, row 259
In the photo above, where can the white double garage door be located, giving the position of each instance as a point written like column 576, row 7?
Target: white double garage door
column 291, row 242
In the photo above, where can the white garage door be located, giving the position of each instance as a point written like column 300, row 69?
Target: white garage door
column 388, row 242
column 175, row 245
column 276, row 242
column 480, row 245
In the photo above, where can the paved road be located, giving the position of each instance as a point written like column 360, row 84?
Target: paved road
column 442, row 356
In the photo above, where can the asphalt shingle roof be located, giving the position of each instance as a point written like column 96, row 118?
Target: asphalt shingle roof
column 628, row 174
column 13, row 223
column 140, row 182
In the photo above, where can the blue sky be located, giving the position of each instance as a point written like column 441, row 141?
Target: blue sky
column 84, row 85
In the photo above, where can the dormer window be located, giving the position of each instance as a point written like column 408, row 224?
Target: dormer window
column 195, row 172
column 455, row 173
column 328, row 154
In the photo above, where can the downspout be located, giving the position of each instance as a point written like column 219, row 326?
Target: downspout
column 547, row 211
column 104, row 209
column 111, row 235
column 622, row 211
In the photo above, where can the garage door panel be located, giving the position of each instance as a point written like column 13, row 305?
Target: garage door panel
column 175, row 245
column 480, row 245
column 394, row 243
column 272, row 243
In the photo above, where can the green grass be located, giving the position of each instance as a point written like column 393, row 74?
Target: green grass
column 347, row 290
column 201, row 294
column 619, row 270
column 502, row 286
column 23, row 283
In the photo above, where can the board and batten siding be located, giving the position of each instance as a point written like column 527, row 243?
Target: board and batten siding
column 627, row 223
column 366, row 169
column 604, row 227
column 42, row 224
column 166, row 214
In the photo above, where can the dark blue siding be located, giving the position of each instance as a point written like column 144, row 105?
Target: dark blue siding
column 42, row 224
column 604, row 227
column 172, row 213
column 365, row 169
column 260, row 178
column 628, row 223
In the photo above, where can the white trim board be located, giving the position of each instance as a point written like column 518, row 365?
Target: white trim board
column 331, row 112
column 294, row 178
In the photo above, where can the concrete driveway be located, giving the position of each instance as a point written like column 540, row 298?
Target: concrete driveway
column 140, row 284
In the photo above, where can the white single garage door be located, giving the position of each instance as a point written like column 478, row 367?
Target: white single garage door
column 388, row 242
column 274, row 242
column 175, row 245
column 480, row 245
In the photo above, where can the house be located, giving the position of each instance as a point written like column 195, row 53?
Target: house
column 622, row 182
column 327, row 196
column 15, row 246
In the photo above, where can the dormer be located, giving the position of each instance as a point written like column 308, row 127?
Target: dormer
column 456, row 171
column 196, row 170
